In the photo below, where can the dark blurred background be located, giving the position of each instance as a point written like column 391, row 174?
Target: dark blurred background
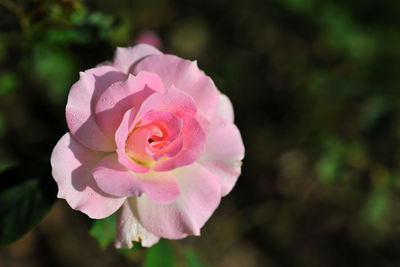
column 315, row 87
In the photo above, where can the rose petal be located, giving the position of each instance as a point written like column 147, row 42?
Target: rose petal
column 182, row 105
column 168, row 120
column 136, row 145
column 193, row 145
column 172, row 100
column 121, row 96
column 125, row 58
column 223, row 154
column 121, row 136
column 129, row 229
column 171, row 137
column 225, row 108
column 200, row 196
column 115, row 179
column 184, row 75
column 160, row 187
column 80, row 107
column 72, row 165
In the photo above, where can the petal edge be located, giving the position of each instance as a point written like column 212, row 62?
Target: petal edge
column 71, row 168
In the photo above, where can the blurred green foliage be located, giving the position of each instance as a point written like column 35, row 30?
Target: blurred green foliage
column 315, row 87
column 104, row 230
column 8, row 82
column 191, row 259
column 24, row 199
column 160, row 254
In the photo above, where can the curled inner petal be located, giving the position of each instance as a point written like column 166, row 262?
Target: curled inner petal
column 121, row 137
column 136, row 145
column 162, row 135
column 157, row 135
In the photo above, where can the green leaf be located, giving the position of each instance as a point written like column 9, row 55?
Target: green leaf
column 104, row 230
column 26, row 195
column 160, row 254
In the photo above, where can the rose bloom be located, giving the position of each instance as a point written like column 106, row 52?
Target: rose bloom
column 150, row 138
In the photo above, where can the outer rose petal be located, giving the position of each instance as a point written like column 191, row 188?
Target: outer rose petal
column 129, row 229
column 80, row 107
column 125, row 58
column 72, row 169
column 115, row 179
column 200, row 196
column 225, row 108
column 121, row 96
column 186, row 76
column 224, row 152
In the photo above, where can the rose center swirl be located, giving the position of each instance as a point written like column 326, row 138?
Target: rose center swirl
column 158, row 135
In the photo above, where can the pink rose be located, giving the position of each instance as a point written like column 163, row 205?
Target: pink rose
column 152, row 139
